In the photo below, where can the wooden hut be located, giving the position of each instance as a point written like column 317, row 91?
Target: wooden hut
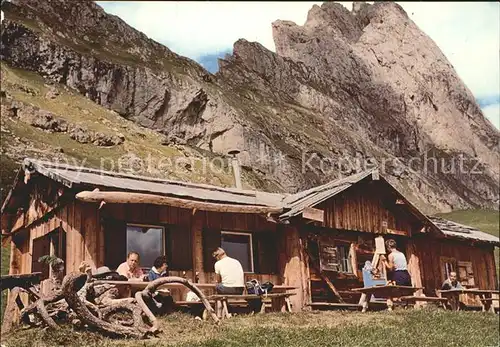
column 86, row 214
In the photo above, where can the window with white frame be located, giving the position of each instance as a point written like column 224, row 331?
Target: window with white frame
column 239, row 246
column 147, row 240
column 448, row 265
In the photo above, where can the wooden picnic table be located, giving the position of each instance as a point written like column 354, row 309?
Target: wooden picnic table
column 485, row 296
column 388, row 292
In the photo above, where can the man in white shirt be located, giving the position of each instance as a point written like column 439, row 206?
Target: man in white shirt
column 230, row 277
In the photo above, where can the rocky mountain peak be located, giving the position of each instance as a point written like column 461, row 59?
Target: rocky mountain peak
column 345, row 89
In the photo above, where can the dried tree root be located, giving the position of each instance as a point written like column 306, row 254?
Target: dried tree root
column 153, row 286
column 93, row 309
column 71, row 284
column 44, row 314
column 39, row 307
column 134, row 309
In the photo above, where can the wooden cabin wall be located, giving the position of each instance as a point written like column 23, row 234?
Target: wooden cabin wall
column 429, row 253
column 86, row 233
column 44, row 195
column 196, row 226
column 365, row 207
column 80, row 221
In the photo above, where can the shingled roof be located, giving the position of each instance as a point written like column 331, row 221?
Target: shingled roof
column 457, row 230
column 86, row 178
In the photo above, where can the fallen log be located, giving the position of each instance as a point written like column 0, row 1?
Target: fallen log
column 74, row 282
column 141, row 198
column 153, row 286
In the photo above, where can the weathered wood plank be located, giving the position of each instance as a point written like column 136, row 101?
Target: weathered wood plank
column 140, row 198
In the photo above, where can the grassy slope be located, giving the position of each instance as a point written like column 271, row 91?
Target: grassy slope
column 484, row 220
column 401, row 327
column 20, row 139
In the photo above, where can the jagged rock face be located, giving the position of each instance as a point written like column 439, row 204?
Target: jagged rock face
column 397, row 73
column 363, row 86
column 374, row 72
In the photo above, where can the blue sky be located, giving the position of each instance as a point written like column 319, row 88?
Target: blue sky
column 468, row 33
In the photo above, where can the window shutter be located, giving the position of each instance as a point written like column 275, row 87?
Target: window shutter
column 466, row 273
column 178, row 248
column 41, row 247
column 265, row 253
column 115, row 242
column 211, row 240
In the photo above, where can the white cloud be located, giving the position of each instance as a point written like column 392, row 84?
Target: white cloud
column 468, row 33
column 492, row 112
column 197, row 28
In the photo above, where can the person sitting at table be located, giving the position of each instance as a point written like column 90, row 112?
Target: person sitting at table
column 159, row 268
column 131, row 268
column 230, row 277
column 451, row 282
column 396, row 265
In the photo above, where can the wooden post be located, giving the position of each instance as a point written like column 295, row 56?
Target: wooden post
column 197, row 244
column 293, row 266
column 10, row 317
column 353, row 258
column 414, row 268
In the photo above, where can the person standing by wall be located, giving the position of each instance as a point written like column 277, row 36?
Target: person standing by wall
column 396, row 265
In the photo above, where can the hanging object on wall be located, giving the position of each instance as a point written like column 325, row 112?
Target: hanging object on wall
column 328, row 256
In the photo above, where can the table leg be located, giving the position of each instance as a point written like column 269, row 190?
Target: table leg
column 454, row 302
column 486, row 304
column 365, row 306
column 363, row 302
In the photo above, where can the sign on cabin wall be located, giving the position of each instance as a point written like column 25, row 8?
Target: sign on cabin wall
column 313, row 214
column 328, row 256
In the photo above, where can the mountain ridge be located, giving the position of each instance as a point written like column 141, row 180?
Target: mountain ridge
column 322, row 95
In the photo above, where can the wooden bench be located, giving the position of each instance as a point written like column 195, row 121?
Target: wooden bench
column 279, row 302
column 434, row 299
column 334, row 305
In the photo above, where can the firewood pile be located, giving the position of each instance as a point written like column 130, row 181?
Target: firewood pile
column 78, row 300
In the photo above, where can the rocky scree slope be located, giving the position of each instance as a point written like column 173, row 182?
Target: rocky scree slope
column 364, row 85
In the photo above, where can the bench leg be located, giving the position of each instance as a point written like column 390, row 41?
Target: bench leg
column 218, row 309
column 390, row 304
column 225, row 310
column 288, row 304
column 278, row 304
column 263, row 306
